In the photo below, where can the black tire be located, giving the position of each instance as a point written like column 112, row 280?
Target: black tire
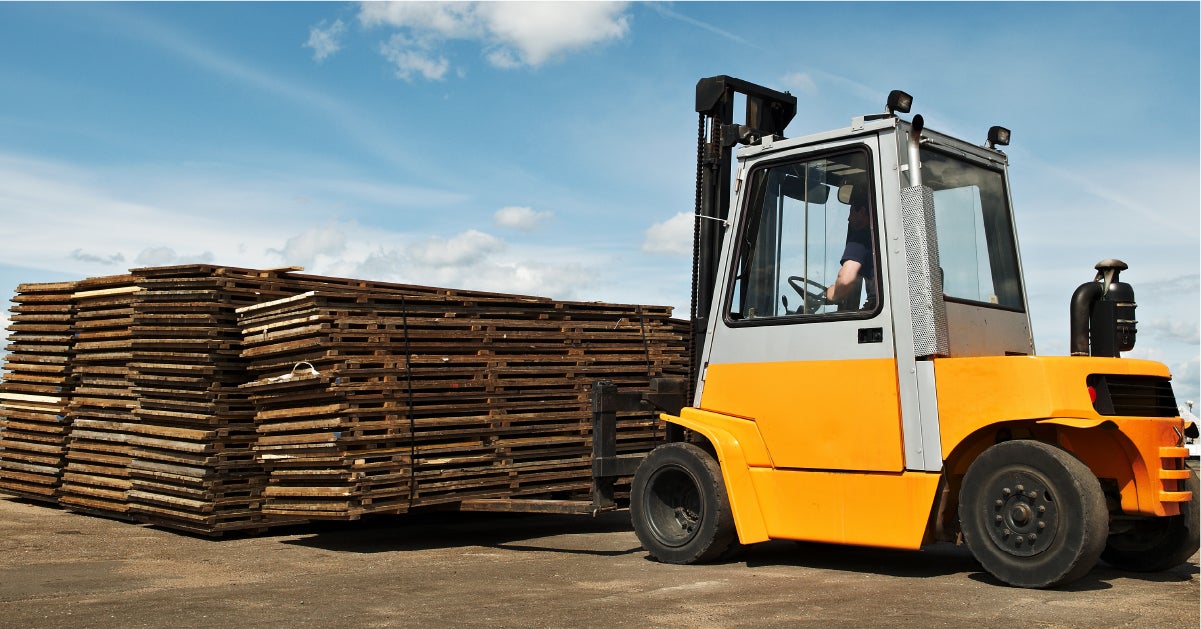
column 1033, row 515
column 1157, row 544
column 679, row 507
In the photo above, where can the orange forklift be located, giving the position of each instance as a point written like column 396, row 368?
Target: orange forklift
column 900, row 402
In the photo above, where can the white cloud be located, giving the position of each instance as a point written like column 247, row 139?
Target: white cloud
column 534, row 32
column 673, row 236
column 325, row 40
column 411, row 57
column 800, row 83
column 511, row 34
column 447, row 19
column 465, row 249
column 304, row 249
column 520, row 218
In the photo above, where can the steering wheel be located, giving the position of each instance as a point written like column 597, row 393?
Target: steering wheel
column 813, row 293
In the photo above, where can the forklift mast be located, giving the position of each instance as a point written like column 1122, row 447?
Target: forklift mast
column 768, row 112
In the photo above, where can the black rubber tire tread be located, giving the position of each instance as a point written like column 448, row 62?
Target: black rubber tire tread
column 667, row 472
column 1078, row 515
column 1157, row 544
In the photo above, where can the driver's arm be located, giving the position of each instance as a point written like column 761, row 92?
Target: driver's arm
column 845, row 283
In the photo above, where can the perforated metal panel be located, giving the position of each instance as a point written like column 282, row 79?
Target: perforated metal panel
column 927, row 309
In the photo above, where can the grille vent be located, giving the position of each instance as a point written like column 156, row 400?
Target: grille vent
column 1133, row 396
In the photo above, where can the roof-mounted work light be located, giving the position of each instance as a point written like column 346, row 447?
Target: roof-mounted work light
column 998, row 136
column 899, row 102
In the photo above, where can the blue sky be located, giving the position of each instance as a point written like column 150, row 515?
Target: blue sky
column 549, row 149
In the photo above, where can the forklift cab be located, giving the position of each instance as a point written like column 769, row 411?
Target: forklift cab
column 936, row 277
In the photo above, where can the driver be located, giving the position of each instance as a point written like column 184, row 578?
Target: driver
column 857, row 261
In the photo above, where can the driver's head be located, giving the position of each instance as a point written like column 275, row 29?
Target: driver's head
column 860, row 214
column 860, row 217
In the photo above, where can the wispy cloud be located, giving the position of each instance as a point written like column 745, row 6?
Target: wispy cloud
column 355, row 125
column 661, row 9
column 410, row 57
column 177, row 223
column 164, row 256
column 1184, row 331
column 83, row 256
column 324, row 40
column 800, row 83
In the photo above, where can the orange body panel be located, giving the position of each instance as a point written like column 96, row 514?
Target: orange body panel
column 1139, row 453
column 823, row 415
column 976, row 392
column 889, row 510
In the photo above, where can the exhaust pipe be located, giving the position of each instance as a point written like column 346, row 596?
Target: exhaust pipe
column 1102, row 314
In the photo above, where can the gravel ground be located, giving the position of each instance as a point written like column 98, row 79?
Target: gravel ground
column 63, row 569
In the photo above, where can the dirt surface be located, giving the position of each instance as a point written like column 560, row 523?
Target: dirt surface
column 63, row 569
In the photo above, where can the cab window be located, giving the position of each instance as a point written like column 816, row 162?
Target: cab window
column 975, row 235
column 804, row 221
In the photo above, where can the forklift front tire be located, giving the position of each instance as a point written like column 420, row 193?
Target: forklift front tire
column 679, row 507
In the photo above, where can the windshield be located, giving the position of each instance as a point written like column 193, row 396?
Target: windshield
column 976, row 247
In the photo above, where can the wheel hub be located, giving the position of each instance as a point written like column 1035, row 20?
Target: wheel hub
column 1024, row 517
column 673, row 506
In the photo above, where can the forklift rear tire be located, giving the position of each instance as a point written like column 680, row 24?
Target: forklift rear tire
column 1033, row 515
column 1156, row 544
column 679, row 507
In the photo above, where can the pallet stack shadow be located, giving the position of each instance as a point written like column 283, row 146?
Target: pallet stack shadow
column 371, row 403
column 36, row 390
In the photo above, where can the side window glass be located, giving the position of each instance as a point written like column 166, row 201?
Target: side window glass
column 975, row 235
column 807, row 245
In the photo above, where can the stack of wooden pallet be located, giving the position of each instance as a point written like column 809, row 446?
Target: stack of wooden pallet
column 96, row 478
column 173, row 395
column 192, row 466
column 376, row 402
column 35, row 392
